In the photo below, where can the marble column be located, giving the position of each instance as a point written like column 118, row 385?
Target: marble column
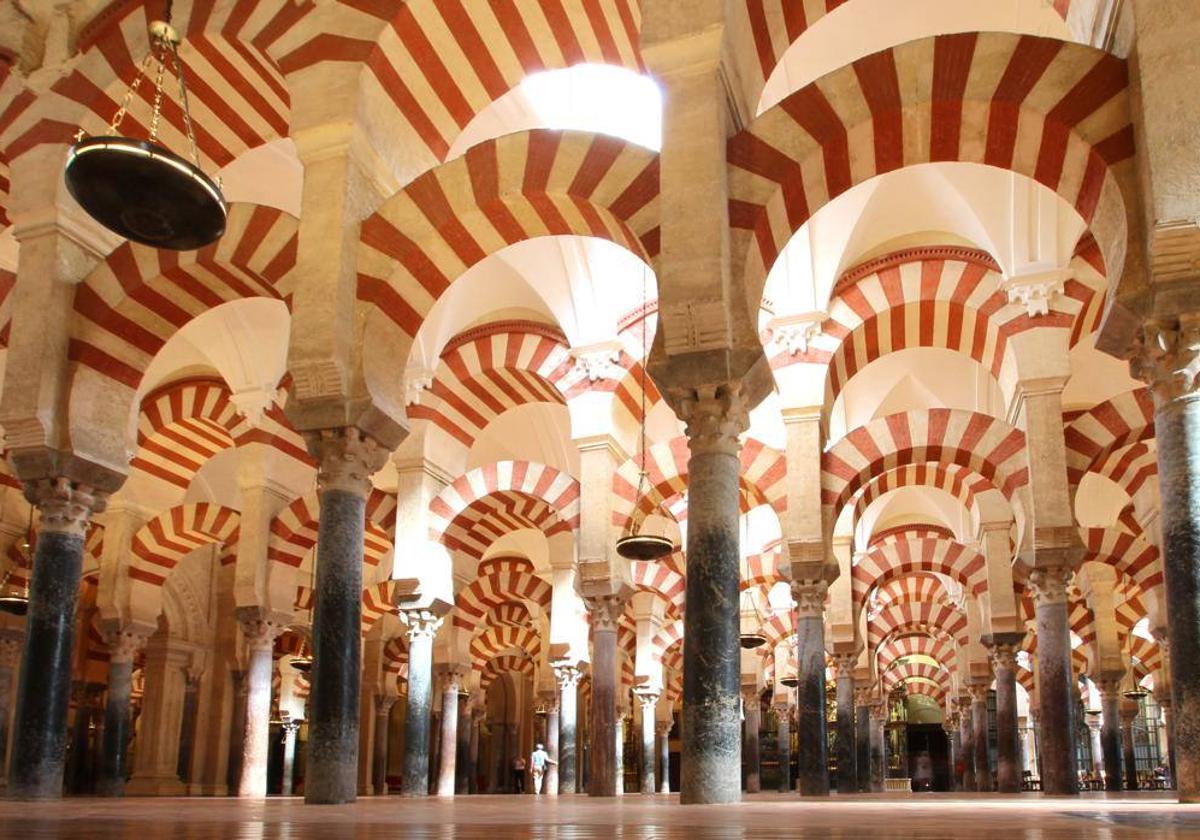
column 156, row 762
column 783, row 717
column 81, row 756
column 462, row 749
column 44, row 690
column 123, row 645
column 966, row 740
column 346, row 459
column 979, row 726
column 11, row 643
column 1110, row 730
column 649, row 704
column 619, row 754
column 473, row 751
column 422, row 628
column 288, row 773
column 862, row 738
column 1169, row 361
column 811, row 728
column 379, row 750
column 550, row 782
column 1056, row 680
column 187, row 729
column 451, row 686
column 1003, row 653
column 1129, row 713
column 878, row 745
column 1164, row 703
column 237, row 731
column 663, row 730
column 605, row 611
column 953, row 750
column 1096, row 745
column 751, row 724
column 259, row 635
column 846, row 748
column 568, row 687
column 710, row 763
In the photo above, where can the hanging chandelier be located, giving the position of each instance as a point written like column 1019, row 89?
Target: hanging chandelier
column 750, row 622
column 138, row 188
column 637, row 544
column 15, row 601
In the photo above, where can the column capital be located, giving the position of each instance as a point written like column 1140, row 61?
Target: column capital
column 124, row 642
column 606, row 610
column 384, row 703
column 1002, row 649
column 978, row 691
column 809, row 595
column 260, row 628
column 843, row 664
column 347, row 457
column 1167, row 357
column 1109, row 686
column 878, row 709
column 421, row 624
column 11, row 643
column 64, row 506
column 862, row 695
column 714, row 416
column 663, row 727
column 647, row 697
column 567, row 675
column 452, row 677
column 1049, row 584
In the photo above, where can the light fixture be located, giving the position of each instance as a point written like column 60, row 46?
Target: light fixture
column 637, row 545
column 138, row 188
column 750, row 622
column 303, row 664
column 791, row 682
column 15, row 601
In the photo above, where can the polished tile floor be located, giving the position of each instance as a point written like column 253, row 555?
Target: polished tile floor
column 631, row 817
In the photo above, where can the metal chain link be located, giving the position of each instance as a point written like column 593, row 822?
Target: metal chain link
column 158, row 50
column 183, row 101
column 119, row 116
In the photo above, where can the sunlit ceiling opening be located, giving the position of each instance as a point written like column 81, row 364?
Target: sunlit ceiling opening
column 599, row 98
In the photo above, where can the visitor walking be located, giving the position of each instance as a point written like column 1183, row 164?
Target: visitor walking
column 538, row 760
column 518, row 775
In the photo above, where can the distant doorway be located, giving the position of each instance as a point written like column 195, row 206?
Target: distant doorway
column 930, row 738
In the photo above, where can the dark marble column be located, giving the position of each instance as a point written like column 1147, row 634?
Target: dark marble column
column 568, row 687
column 259, row 635
column 187, row 727
column 1110, row 731
column 379, row 749
column 44, row 691
column 783, row 717
column 1056, row 680
column 1164, row 702
column 605, row 611
column 979, row 726
column 422, row 627
column 751, row 724
column 1129, row 713
column 1167, row 362
column 710, row 763
column 862, row 738
column 950, row 727
column 288, row 774
column 878, row 745
column 462, row 749
column 846, row 749
column 447, row 772
column 663, row 730
column 346, row 460
column 82, row 758
column 1003, row 652
column 118, row 710
column 649, row 702
column 811, row 727
column 11, row 642
column 966, row 741
column 237, row 731
column 473, row 752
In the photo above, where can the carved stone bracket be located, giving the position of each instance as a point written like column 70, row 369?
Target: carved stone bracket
column 647, row 697
column 794, row 333
column 64, row 506
column 1037, row 291
column 598, row 361
column 347, row 458
column 1167, row 358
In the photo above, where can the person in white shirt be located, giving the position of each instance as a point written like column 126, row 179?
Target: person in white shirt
column 538, row 761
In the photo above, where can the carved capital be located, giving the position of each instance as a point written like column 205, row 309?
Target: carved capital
column 11, row 643
column 1049, row 585
column 384, row 703
column 64, row 506
column 1109, row 686
column 647, row 697
column 862, row 696
column 715, row 415
column 843, row 664
column 598, row 361
column 452, row 679
column 567, row 676
column 663, row 727
column 259, row 632
column 422, row 624
column 979, row 692
column 347, row 458
column 1003, row 657
column 124, row 643
column 810, row 597
column 1167, row 358
column 606, row 611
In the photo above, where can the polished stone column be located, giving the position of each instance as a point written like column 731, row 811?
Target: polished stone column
column 1095, row 745
column 1168, row 362
column 751, row 724
column 862, row 738
column 811, row 727
column 846, row 748
column 82, row 758
column 979, row 725
column 619, row 754
column 568, row 685
column 710, row 764
column 966, row 740
column 379, row 750
column 237, row 731
column 950, row 727
column 451, row 686
column 346, row 460
column 187, row 729
column 1164, row 702
column 1110, row 730
column 1129, row 713
column 473, row 751
column 1003, row 653
column 288, row 773
column 783, row 736
column 259, row 634
column 605, row 611
column 649, row 702
column 11, row 642
column 663, row 730
column 1056, row 680
column 44, row 691
column 422, row 627
column 123, row 645
column 462, row 749
column 878, row 745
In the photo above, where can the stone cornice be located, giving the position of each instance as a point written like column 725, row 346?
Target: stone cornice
column 959, row 253
column 497, row 327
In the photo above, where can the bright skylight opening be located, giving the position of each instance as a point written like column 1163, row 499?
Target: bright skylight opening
column 598, row 98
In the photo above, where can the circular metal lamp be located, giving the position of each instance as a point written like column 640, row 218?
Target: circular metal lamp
column 790, row 682
column 138, row 188
column 749, row 641
column 637, row 546
column 14, row 603
column 303, row 664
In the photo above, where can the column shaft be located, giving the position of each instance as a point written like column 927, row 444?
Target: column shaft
column 878, row 753
column 1008, row 757
column 1056, row 680
column 979, row 722
column 1110, row 737
column 1129, row 758
column 257, row 741
column 289, row 759
column 966, row 738
column 602, row 779
column 568, row 683
column 117, row 716
column 473, row 754
column 415, row 775
column 813, row 771
column 379, row 750
column 10, row 653
column 846, row 748
column 752, row 715
column 664, row 757
column 862, row 761
column 784, row 742
column 449, row 746
column 187, row 728
column 646, row 776
column 462, row 750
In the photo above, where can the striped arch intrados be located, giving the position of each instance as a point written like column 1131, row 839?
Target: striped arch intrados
column 959, row 481
column 939, row 647
column 889, row 561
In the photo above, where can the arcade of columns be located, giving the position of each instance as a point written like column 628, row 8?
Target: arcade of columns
column 388, row 424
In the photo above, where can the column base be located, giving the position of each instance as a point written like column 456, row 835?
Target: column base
column 155, row 786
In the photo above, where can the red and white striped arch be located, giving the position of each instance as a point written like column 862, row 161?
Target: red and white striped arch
column 439, row 63
column 913, row 530
column 762, row 570
column 509, row 614
column 902, row 672
column 537, row 481
column 182, row 426
column 1055, row 112
column 1147, row 653
column 662, row 580
column 518, row 187
column 494, row 641
column 984, row 444
column 501, row 584
column 922, row 614
column 294, row 529
column 891, row 560
column 939, row 648
column 161, row 543
column 911, row 588
column 959, row 481
column 488, row 519
column 8, row 279
column 667, row 646
column 508, row 663
column 1130, row 468
column 1132, row 555
column 133, row 302
column 1112, row 425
